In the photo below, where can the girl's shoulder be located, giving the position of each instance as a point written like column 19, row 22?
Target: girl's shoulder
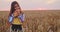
column 22, row 14
column 11, row 15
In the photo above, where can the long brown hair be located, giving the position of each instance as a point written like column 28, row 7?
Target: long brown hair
column 12, row 7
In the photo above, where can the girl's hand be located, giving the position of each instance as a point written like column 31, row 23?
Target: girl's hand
column 18, row 11
column 15, row 14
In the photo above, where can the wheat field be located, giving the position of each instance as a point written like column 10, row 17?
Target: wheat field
column 35, row 21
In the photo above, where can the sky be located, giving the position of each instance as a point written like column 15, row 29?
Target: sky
column 32, row 4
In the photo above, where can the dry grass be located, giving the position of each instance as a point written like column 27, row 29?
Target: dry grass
column 35, row 21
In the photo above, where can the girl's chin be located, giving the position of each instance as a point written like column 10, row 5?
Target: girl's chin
column 16, row 16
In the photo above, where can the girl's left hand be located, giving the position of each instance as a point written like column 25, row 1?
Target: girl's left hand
column 15, row 14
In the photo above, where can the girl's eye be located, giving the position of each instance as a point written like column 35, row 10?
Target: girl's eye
column 18, row 8
column 15, row 8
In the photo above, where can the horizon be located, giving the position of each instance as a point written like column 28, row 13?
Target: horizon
column 32, row 10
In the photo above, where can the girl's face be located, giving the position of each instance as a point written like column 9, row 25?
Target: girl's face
column 17, row 8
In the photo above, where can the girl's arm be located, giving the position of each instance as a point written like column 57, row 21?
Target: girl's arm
column 10, row 18
column 22, row 16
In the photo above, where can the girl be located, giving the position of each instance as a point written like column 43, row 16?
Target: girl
column 16, row 16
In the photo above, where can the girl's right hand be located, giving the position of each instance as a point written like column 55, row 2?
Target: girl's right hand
column 15, row 14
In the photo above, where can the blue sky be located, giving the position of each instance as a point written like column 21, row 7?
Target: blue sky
column 32, row 4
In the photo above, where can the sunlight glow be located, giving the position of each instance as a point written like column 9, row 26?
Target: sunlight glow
column 50, row 1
